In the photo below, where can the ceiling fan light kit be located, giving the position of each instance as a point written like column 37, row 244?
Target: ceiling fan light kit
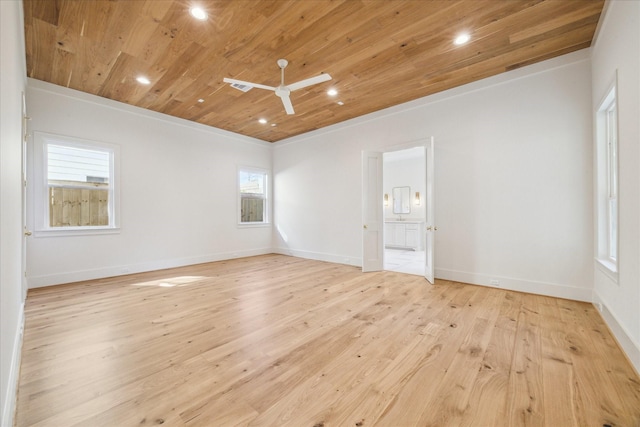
column 283, row 91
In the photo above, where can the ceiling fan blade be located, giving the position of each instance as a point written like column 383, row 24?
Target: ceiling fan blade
column 308, row 82
column 256, row 85
column 288, row 107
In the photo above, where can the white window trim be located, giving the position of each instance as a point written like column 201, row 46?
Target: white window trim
column 608, row 268
column 604, row 262
column 41, row 186
column 267, row 197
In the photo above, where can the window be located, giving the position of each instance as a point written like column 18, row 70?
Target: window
column 253, row 200
column 612, row 182
column 78, row 178
column 607, row 176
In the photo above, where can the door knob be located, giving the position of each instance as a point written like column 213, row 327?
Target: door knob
column 429, row 228
column 365, row 226
column 27, row 233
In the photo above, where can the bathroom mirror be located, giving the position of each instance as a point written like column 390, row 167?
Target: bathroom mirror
column 401, row 200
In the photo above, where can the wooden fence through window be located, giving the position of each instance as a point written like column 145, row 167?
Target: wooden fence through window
column 78, row 207
column 251, row 209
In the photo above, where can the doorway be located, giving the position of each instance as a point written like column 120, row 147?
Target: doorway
column 404, row 188
column 374, row 202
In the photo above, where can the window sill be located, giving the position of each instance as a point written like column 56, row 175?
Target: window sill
column 76, row 231
column 608, row 268
column 253, row 224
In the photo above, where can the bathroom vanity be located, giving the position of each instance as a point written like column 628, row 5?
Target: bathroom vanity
column 405, row 234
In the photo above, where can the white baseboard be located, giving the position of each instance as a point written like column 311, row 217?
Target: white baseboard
column 99, row 273
column 319, row 256
column 630, row 347
column 520, row 285
column 9, row 408
column 532, row 287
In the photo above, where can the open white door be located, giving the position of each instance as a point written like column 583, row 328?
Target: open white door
column 25, row 231
column 372, row 212
column 430, row 224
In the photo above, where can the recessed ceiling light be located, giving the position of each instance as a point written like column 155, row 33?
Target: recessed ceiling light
column 198, row 13
column 462, row 39
column 332, row 92
column 201, row 100
column 340, row 103
column 263, row 121
column 143, row 80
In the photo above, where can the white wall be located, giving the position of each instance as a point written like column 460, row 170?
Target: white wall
column 12, row 84
column 513, row 179
column 178, row 190
column 617, row 47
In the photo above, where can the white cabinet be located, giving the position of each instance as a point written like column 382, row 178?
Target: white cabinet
column 412, row 236
column 403, row 234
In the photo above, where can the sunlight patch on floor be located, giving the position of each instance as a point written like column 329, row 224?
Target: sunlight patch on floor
column 173, row 281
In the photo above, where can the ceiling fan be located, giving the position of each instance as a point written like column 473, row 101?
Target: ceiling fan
column 283, row 90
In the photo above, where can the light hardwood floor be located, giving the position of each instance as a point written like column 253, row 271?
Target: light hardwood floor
column 282, row 341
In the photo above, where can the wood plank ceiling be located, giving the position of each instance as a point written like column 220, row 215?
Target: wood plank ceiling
column 379, row 53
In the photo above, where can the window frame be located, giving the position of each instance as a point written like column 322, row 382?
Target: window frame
column 42, row 226
column 266, row 221
column 612, row 181
column 607, row 184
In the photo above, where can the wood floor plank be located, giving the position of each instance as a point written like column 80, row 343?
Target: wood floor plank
column 413, row 401
column 595, row 361
column 488, row 398
column 452, row 398
column 277, row 340
column 525, row 388
column 557, row 368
